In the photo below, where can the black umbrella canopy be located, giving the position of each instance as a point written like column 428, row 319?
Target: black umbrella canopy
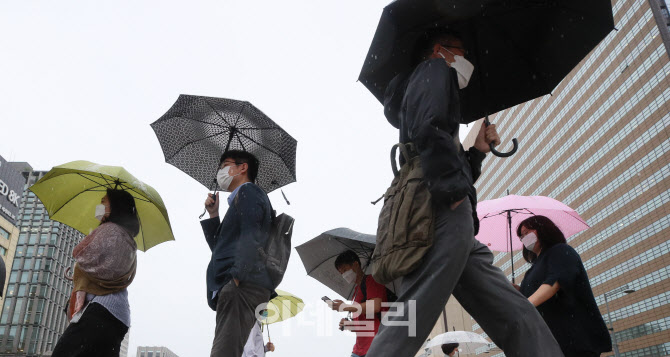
column 521, row 49
column 318, row 256
column 197, row 130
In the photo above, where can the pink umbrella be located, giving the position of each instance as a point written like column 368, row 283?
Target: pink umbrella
column 505, row 214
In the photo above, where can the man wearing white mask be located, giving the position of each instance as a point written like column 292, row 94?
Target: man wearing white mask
column 424, row 104
column 237, row 280
column 368, row 297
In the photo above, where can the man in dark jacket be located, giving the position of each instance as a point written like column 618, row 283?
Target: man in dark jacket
column 425, row 105
column 237, row 280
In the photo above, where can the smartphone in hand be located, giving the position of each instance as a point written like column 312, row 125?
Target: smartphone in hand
column 327, row 300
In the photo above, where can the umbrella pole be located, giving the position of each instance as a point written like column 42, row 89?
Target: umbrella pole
column 269, row 339
column 511, row 252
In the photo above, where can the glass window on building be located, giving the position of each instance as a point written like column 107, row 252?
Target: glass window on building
column 30, row 252
column 33, row 342
column 3, row 251
column 13, row 277
column 17, row 311
column 25, row 276
column 38, row 263
column 22, row 339
column 22, row 290
column 40, row 252
column 54, row 237
column 5, row 313
column 4, row 233
column 43, row 238
column 22, row 237
column 39, row 310
column 33, row 238
column 20, row 251
column 33, row 291
column 10, row 339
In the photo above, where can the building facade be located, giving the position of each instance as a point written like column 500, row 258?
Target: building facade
column 600, row 144
column 154, row 352
column 11, row 189
column 33, row 316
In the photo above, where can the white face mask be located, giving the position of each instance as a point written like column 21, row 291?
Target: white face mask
column 529, row 241
column 100, row 211
column 224, row 179
column 349, row 276
column 463, row 69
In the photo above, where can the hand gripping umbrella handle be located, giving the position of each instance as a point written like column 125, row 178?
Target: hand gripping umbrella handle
column 498, row 153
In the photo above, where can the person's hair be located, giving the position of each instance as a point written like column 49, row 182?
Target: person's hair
column 123, row 211
column 349, row 257
column 243, row 157
column 548, row 234
column 423, row 47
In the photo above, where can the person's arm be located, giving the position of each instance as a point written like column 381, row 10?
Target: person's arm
column 544, row 293
column 375, row 295
column 375, row 304
column 250, row 212
column 429, row 100
column 477, row 153
column 563, row 268
column 211, row 226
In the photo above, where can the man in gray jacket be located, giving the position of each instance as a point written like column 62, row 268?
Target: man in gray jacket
column 424, row 105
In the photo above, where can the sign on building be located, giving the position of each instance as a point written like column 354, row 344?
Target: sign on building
column 11, row 189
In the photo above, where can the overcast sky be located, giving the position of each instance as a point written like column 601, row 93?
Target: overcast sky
column 83, row 81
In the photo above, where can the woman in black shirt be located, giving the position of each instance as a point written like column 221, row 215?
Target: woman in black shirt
column 558, row 286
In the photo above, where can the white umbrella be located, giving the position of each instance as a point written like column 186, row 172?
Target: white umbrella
column 468, row 342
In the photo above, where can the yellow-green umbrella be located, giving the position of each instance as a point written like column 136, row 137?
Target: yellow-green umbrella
column 283, row 307
column 71, row 191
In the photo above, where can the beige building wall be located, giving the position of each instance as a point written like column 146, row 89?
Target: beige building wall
column 9, row 246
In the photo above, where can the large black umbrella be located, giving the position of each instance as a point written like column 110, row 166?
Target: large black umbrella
column 197, row 130
column 521, row 49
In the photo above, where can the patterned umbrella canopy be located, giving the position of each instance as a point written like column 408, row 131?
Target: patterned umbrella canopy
column 197, row 130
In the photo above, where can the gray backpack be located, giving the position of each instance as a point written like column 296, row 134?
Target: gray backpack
column 278, row 248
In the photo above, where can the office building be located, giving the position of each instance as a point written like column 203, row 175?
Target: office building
column 154, row 352
column 33, row 316
column 11, row 189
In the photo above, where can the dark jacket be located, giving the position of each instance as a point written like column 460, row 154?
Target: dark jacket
column 235, row 241
column 572, row 314
column 425, row 106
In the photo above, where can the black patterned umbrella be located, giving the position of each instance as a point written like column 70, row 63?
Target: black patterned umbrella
column 197, row 130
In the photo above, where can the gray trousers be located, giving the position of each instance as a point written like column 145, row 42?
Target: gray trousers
column 235, row 317
column 459, row 263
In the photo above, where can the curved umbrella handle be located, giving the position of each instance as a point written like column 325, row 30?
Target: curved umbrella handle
column 505, row 154
column 498, row 153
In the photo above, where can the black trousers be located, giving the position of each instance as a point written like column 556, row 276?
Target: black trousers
column 97, row 334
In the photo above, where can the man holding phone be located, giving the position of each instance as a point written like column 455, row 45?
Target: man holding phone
column 237, row 280
column 367, row 305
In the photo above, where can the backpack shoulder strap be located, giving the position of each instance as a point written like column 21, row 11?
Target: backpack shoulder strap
column 363, row 289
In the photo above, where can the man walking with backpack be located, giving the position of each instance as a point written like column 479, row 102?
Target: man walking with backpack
column 424, row 104
column 367, row 307
column 237, row 278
